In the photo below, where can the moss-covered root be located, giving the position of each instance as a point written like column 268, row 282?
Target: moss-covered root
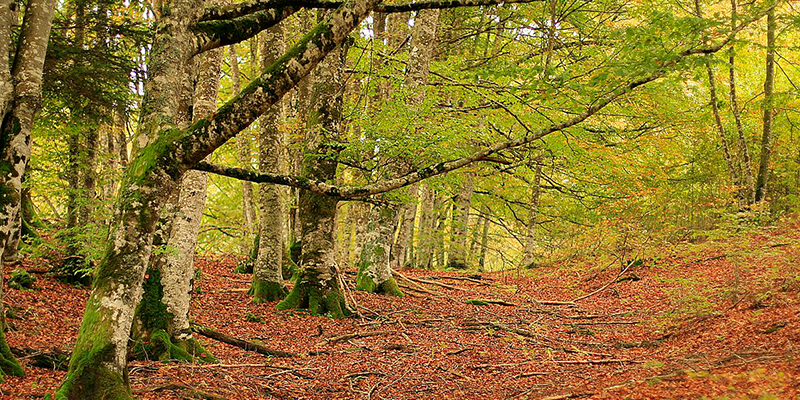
column 319, row 296
column 264, row 292
column 163, row 348
column 366, row 283
column 9, row 366
column 90, row 378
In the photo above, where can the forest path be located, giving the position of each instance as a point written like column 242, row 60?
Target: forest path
column 719, row 318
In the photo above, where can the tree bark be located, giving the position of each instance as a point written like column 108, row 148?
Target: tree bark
column 20, row 96
column 766, row 134
column 267, row 275
column 317, row 286
column 457, row 254
column 374, row 272
column 529, row 254
column 427, row 222
column 746, row 165
column 244, row 151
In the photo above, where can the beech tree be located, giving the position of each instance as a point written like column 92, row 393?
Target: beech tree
column 20, row 97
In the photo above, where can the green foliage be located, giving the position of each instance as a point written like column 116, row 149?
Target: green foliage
column 21, row 279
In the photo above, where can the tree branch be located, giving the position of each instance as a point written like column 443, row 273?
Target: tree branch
column 212, row 34
column 181, row 150
column 354, row 192
column 252, row 6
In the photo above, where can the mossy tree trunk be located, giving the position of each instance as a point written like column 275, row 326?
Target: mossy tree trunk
column 20, row 96
column 374, row 272
column 163, row 154
column 317, row 285
column 267, row 275
column 165, row 331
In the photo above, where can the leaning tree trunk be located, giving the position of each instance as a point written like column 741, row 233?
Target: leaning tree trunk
column 267, row 275
column 457, row 255
column 533, row 220
column 317, row 286
column 766, row 135
column 164, row 309
column 163, row 155
column 20, row 96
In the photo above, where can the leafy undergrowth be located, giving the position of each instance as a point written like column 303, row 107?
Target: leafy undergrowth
column 716, row 320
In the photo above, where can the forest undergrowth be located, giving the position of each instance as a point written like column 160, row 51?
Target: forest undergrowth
column 715, row 317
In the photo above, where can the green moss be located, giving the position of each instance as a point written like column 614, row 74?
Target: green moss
column 365, row 282
column 477, row 302
column 389, row 287
column 152, row 312
column 9, row 366
column 163, row 348
column 266, row 291
column 325, row 300
column 89, row 377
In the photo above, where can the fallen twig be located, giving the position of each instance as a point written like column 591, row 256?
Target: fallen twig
column 242, row 344
column 608, row 361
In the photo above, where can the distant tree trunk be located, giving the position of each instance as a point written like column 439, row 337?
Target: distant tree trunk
column 484, row 244
column 20, row 96
column 735, row 177
column 427, row 221
column 769, row 83
column 317, row 286
column 403, row 251
column 243, row 149
column 530, row 237
column 457, row 256
column 746, row 164
column 442, row 209
column 267, row 275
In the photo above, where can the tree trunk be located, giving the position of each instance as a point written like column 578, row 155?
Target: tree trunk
column 20, row 95
column 164, row 310
column 267, row 275
column 766, row 135
column 457, row 255
column 317, row 286
column 746, row 165
column 243, row 149
column 374, row 272
column 163, row 154
column 484, row 244
column 529, row 255
column 427, row 221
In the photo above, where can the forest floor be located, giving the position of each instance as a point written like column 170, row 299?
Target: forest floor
column 718, row 319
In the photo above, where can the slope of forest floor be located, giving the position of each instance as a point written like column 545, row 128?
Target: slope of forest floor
column 718, row 319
